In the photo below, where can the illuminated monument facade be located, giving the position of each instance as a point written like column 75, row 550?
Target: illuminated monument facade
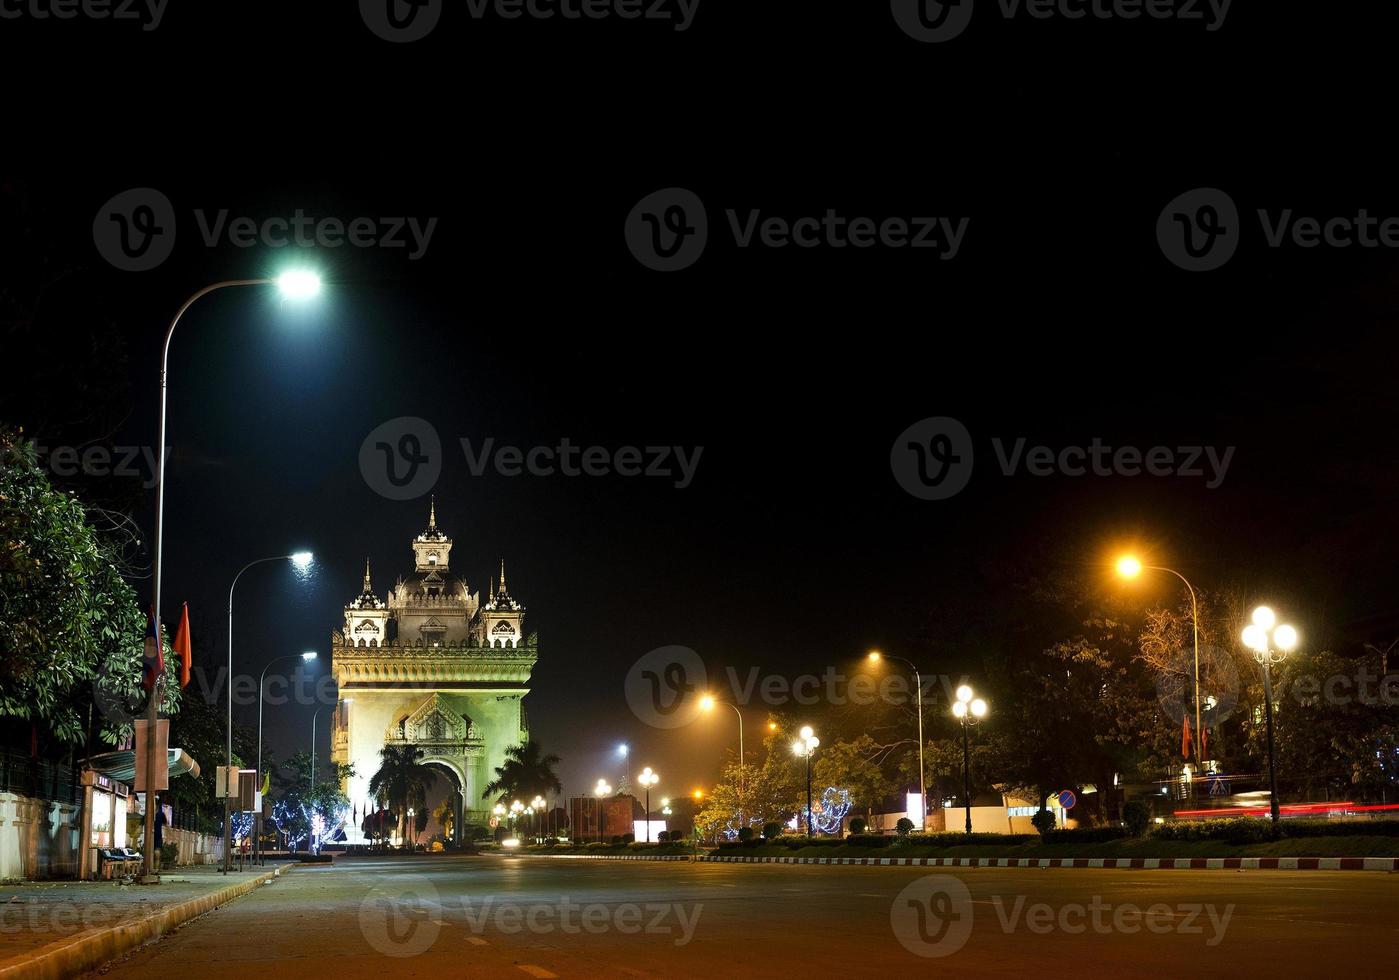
column 435, row 667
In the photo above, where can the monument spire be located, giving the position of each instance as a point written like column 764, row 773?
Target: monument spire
column 432, row 513
column 502, row 575
column 366, row 576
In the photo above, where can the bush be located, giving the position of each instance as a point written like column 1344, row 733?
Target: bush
column 1137, row 816
column 1238, row 830
column 169, row 854
column 869, row 840
column 792, row 841
column 904, row 827
column 629, row 838
column 1340, row 828
column 857, row 826
column 1043, row 821
column 772, row 830
column 745, row 834
column 953, row 839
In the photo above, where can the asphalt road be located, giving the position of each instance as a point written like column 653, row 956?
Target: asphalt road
column 439, row 916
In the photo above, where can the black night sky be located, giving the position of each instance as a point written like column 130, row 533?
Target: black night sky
column 527, row 320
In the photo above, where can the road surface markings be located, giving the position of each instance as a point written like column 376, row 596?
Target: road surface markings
column 476, row 941
column 868, row 895
column 535, row 971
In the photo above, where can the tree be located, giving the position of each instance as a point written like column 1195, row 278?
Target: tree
column 525, row 774
column 853, row 765
column 402, row 779
column 446, row 816
column 71, row 629
column 420, row 817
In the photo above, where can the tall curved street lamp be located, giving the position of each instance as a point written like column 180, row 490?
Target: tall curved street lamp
column 295, row 284
column 874, row 657
column 302, row 560
column 707, row 703
column 967, row 709
column 803, row 747
column 1129, row 567
column 1270, row 642
column 306, row 657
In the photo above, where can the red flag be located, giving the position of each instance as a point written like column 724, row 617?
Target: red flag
column 181, row 645
column 1204, row 742
column 1185, row 738
column 153, row 660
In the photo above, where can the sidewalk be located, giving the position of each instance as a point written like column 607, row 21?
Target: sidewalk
column 60, row 928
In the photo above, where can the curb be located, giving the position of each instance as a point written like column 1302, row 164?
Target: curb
column 1194, row 864
column 85, row 952
column 605, row 857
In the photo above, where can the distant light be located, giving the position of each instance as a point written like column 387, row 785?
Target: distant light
column 874, row 656
column 1129, row 567
column 623, row 749
column 309, row 655
column 299, row 284
column 510, row 842
column 706, row 702
column 979, row 708
column 959, row 709
column 806, row 731
column 1256, row 638
column 1264, row 618
column 302, row 559
column 1286, row 638
column 964, row 693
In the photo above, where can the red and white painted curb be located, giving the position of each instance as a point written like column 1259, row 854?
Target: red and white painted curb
column 1195, row 863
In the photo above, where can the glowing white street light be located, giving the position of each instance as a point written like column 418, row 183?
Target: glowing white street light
column 649, row 779
column 298, row 285
column 1270, row 644
column 967, row 709
column 803, row 747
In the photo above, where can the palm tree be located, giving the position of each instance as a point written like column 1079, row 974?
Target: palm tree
column 446, row 816
column 402, row 780
column 525, row 774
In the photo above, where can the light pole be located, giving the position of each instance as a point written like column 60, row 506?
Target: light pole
column 707, row 703
column 1130, row 567
column 537, row 805
column 294, row 285
column 875, row 656
column 516, row 808
column 803, row 747
column 601, row 790
column 624, row 750
column 499, row 811
column 968, row 710
column 1270, row 644
column 306, row 657
column 649, row 779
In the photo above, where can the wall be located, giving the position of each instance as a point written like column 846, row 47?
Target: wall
column 38, row 838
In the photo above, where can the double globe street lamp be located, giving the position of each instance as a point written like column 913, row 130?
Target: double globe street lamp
column 1270, row 642
column 967, row 709
column 649, row 779
column 803, row 747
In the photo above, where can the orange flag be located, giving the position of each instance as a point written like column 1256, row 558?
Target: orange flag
column 181, row 645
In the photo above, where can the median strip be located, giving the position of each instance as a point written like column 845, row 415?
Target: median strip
column 1193, row 863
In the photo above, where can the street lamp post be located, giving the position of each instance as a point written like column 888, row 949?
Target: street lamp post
column 306, row 657
column 624, row 750
column 498, row 811
column 295, row 285
column 537, row 805
column 301, row 559
column 968, row 710
column 707, row 703
column 649, row 779
column 875, row 656
column 803, row 747
column 1130, row 567
column 1270, row 644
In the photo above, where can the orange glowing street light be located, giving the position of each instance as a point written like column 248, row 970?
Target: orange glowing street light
column 1129, row 566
